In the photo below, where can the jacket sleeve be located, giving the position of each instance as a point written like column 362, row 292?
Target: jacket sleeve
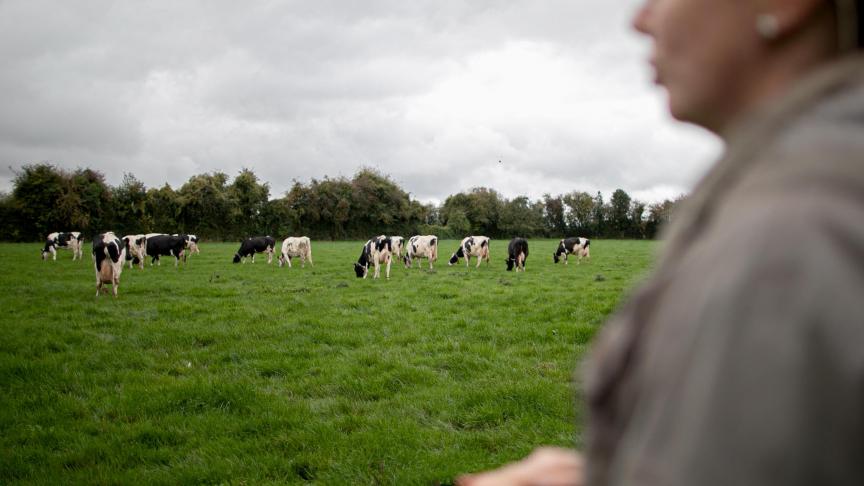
column 766, row 387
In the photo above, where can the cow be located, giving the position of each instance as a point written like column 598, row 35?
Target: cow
column 159, row 245
column 517, row 253
column 376, row 251
column 256, row 244
column 421, row 247
column 476, row 246
column 293, row 247
column 397, row 242
column 136, row 249
column 576, row 246
column 109, row 254
column 71, row 240
column 191, row 243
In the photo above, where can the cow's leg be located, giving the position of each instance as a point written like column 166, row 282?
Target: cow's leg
column 389, row 261
column 269, row 256
column 53, row 254
column 288, row 259
column 430, row 262
column 253, row 257
column 479, row 260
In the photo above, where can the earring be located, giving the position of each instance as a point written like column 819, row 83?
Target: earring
column 768, row 26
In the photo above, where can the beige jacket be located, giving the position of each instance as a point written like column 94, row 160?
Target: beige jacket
column 741, row 360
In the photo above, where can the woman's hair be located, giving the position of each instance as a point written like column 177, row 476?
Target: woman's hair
column 859, row 8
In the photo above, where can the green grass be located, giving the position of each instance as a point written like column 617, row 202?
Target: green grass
column 215, row 373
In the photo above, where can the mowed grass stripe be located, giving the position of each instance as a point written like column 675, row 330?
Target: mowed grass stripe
column 214, row 372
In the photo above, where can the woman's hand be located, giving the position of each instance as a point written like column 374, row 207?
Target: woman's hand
column 547, row 466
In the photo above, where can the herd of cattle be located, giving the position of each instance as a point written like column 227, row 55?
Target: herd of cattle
column 111, row 253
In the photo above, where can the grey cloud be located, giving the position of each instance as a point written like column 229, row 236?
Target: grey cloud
column 432, row 92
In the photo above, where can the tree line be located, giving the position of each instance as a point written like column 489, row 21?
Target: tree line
column 46, row 198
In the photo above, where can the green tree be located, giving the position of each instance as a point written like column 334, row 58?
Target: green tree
column 554, row 219
column 458, row 224
column 163, row 209
column 205, row 207
column 619, row 213
column 38, row 192
column 130, row 205
column 636, row 218
column 579, row 213
column 520, row 218
column 248, row 201
column 88, row 203
column 598, row 217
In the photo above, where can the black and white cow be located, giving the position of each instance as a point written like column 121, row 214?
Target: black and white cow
column 165, row 245
column 517, row 253
column 421, row 247
column 71, row 240
column 376, row 251
column 256, row 244
column 576, row 246
column 191, row 243
column 397, row 243
column 136, row 249
column 296, row 247
column 472, row 246
column 109, row 254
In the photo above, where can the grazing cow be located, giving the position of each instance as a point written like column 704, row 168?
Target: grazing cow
column 109, row 254
column 421, row 247
column 476, row 246
column 300, row 246
column 191, row 243
column 517, row 253
column 167, row 245
column 256, row 244
column 375, row 252
column 136, row 249
column 396, row 242
column 71, row 240
column 576, row 246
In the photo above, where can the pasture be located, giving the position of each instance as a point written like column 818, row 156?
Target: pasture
column 255, row 374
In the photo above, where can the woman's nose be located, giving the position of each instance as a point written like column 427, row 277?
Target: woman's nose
column 642, row 17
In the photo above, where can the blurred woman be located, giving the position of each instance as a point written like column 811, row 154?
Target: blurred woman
column 739, row 361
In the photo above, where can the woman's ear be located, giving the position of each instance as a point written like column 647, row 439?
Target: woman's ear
column 791, row 16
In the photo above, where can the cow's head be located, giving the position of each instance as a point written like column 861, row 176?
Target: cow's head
column 360, row 270
column 556, row 257
column 236, row 258
column 46, row 250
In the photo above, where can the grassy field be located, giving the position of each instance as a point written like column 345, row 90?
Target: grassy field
column 254, row 374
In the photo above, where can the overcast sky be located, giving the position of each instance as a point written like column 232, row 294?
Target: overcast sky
column 432, row 92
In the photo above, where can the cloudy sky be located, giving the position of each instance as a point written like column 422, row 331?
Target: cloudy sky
column 432, row 92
